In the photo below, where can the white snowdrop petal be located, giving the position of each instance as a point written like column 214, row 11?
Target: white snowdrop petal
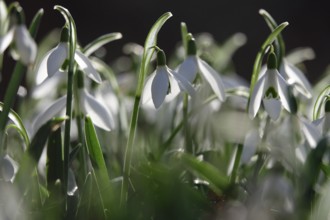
column 6, row 40
column 48, row 86
column 298, row 79
column 256, row 97
column 56, row 58
column 213, row 78
column 311, row 133
column 159, row 86
column 42, row 70
column 251, row 142
column 272, row 107
column 146, row 93
column 26, row 46
column 100, row 115
column 50, row 112
column 183, row 83
column 189, row 68
column 86, row 65
column 282, row 89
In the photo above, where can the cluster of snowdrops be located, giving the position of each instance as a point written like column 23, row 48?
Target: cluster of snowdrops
column 154, row 137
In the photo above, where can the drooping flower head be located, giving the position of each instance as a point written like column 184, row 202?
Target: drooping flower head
column 20, row 36
column 54, row 59
column 271, row 89
column 164, row 83
column 85, row 103
column 193, row 65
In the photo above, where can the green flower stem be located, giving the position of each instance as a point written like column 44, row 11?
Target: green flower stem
column 10, row 96
column 80, row 127
column 147, row 54
column 72, row 49
column 236, row 163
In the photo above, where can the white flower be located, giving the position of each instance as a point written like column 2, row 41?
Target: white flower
column 295, row 77
column 272, row 89
column 25, row 45
column 164, row 82
column 193, row 65
column 99, row 114
column 54, row 60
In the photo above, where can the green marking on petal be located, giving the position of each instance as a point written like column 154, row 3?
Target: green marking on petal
column 271, row 93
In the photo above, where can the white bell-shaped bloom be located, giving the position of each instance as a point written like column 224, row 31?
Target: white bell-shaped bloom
column 25, row 45
column 100, row 115
column 164, row 83
column 272, row 90
column 54, row 59
column 193, row 65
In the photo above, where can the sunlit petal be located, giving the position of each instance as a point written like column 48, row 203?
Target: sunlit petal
column 55, row 58
column 6, row 40
column 86, row 65
column 26, row 46
column 297, row 78
column 251, row 142
column 146, row 94
column 48, row 86
column 256, row 97
column 160, row 86
column 183, row 83
column 213, row 78
column 282, row 89
column 272, row 107
column 311, row 133
column 189, row 68
column 51, row 111
column 99, row 114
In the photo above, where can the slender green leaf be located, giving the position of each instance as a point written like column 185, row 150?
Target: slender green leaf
column 34, row 26
column 218, row 181
column 279, row 42
column 319, row 101
column 184, row 33
column 95, row 151
column 14, row 117
column 99, row 42
column 32, row 155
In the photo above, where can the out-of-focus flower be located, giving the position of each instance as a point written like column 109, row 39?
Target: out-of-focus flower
column 193, row 65
column 272, row 90
column 296, row 78
column 19, row 35
column 99, row 114
column 164, row 83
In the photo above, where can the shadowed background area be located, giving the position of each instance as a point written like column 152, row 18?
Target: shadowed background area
column 309, row 24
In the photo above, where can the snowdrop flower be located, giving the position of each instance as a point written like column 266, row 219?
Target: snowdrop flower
column 272, row 90
column 88, row 105
column 296, row 78
column 20, row 36
column 164, row 83
column 55, row 58
column 193, row 65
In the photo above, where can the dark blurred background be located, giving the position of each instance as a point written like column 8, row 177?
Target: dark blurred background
column 309, row 24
